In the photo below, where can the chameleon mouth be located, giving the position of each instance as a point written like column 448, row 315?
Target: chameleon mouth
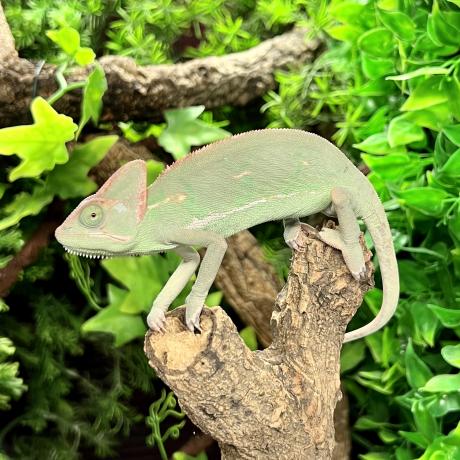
column 98, row 254
column 89, row 254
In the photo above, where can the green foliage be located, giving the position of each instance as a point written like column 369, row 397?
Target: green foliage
column 158, row 412
column 40, row 146
column 11, row 386
column 182, row 456
column 184, row 129
column 388, row 85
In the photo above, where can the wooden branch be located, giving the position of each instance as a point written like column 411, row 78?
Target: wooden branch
column 143, row 93
column 30, row 252
column 277, row 403
column 7, row 49
column 250, row 286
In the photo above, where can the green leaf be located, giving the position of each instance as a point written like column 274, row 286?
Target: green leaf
column 417, row 372
column 71, row 179
column 154, row 169
column 91, row 104
column 377, row 144
column 377, row 42
column 67, row 38
column 344, row 32
column 440, row 28
column 125, row 327
column 415, row 438
column 403, row 131
column 451, row 354
column 84, row 56
column 375, row 456
column 448, row 316
column 395, row 166
column 427, row 94
column 452, row 166
column 413, row 280
column 249, row 336
column 426, row 200
column 142, row 276
column 425, row 322
column 422, row 71
column 424, row 420
column 375, row 67
column 184, row 130
column 399, row 23
column 352, row 354
column 444, row 383
column 25, row 204
column 452, row 133
column 41, row 145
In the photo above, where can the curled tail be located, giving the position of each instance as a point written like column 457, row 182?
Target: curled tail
column 377, row 224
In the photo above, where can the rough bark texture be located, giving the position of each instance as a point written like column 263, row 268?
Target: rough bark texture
column 143, row 93
column 7, row 49
column 250, row 286
column 277, row 403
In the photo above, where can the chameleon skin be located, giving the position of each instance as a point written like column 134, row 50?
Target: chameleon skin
column 223, row 188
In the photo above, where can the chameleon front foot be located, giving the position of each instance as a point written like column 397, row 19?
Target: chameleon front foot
column 156, row 320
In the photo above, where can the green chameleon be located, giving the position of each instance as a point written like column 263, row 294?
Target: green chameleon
column 226, row 187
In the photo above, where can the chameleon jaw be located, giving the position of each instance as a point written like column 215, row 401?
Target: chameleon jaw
column 88, row 254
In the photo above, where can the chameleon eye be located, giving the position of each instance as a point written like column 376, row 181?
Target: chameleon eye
column 91, row 216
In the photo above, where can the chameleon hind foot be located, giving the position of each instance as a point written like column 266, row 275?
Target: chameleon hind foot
column 352, row 253
column 193, row 308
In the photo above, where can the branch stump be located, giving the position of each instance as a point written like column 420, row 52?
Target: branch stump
column 277, row 403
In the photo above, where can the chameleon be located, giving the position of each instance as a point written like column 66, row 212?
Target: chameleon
column 221, row 189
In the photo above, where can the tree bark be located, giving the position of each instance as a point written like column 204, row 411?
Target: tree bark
column 144, row 92
column 7, row 49
column 277, row 403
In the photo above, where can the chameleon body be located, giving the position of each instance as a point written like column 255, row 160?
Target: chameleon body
column 223, row 188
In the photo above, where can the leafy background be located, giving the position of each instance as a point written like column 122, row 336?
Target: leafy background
column 385, row 89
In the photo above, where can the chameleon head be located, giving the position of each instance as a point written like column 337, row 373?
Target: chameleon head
column 106, row 223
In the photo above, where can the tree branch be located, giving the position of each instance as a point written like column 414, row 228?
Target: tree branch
column 7, row 49
column 143, row 93
column 276, row 403
column 250, row 286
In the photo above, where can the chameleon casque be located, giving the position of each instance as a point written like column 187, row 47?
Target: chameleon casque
column 221, row 189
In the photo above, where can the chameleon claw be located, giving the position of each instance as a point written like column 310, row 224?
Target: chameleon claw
column 156, row 320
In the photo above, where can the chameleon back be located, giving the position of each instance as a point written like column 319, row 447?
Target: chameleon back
column 248, row 179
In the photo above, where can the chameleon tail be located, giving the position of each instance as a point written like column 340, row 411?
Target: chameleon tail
column 377, row 224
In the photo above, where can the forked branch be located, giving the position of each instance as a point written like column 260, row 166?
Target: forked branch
column 277, row 403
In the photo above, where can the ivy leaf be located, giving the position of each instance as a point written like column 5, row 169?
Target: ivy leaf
column 71, row 179
column 184, row 130
column 68, row 39
column 25, row 204
column 42, row 145
column 142, row 276
column 125, row 327
column 91, row 104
